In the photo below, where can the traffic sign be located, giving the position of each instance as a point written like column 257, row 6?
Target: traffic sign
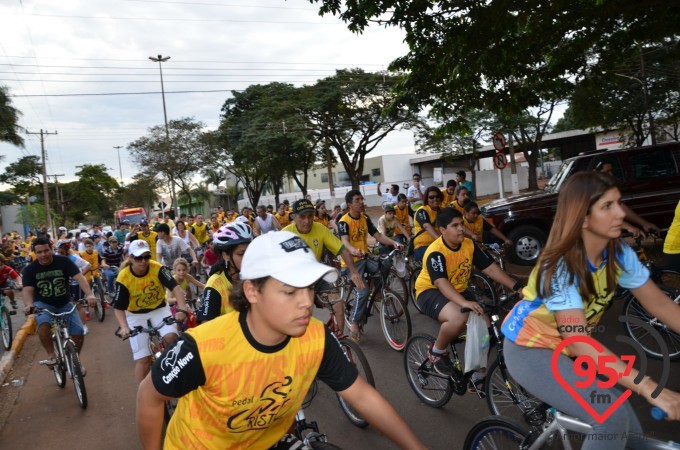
column 498, row 141
column 500, row 161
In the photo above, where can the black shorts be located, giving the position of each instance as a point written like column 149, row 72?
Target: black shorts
column 431, row 302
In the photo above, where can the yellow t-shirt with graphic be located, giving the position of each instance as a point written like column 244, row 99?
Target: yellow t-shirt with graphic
column 425, row 214
column 216, row 292
column 201, row 231
column 671, row 245
column 150, row 239
column 404, row 219
column 140, row 294
column 357, row 230
column 284, row 219
column 217, row 415
column 318, row 238
column 456, row 263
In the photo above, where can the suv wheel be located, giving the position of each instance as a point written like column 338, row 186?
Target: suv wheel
column 528, row 243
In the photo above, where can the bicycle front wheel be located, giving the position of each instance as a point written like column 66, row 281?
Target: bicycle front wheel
column 396, row 284
column 412, row 286
column 652, row 329
column 431, row 388
column 670, row 279
column 59, row 369
column 482, row 288
column 99, row 307
column 358, row 359
column 495, row 433
column 395, row 320
column 6, row 328
column 76, row 372
column 505, row 397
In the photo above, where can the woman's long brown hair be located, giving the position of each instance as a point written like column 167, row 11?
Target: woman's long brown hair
column 565, row 246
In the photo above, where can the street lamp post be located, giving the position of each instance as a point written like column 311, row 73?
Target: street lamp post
column 120, row 167
column 160, row 59
column 645, row 100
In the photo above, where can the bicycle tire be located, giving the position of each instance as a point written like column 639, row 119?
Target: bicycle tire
column 431, row 388
column 670, row 279
column 396, row 284
column 633, row 309
column 412, row 287
column 59, row 369
column 495, row 432
column 358, row 359
column 395, row 321
column 482, row 288
column 6, row 331
column 318, row 445
column 77, row 373
column 505, row 397
column 99, row 307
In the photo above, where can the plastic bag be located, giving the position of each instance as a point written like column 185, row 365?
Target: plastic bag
column 476, row 343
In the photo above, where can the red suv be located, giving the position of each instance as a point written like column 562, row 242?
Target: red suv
column 649, row 181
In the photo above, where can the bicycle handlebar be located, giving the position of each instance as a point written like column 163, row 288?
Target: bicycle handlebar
column 658, row 413
column 35, row 309
column 489, row 309
column 381, row 257
column 150, row 330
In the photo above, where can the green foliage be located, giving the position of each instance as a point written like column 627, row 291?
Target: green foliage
column 506, row 56
column 9, row 120
column 24, row 177
column 34, row 215
column 142, row 191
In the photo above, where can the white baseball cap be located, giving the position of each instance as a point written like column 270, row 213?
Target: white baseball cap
column 84, row 236
column 139, row 247
column 285, row 256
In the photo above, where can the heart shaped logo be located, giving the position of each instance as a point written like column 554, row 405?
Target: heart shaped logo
column 599, row 418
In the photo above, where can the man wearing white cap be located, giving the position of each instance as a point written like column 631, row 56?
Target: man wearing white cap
column 242, row 377
column 140, row 297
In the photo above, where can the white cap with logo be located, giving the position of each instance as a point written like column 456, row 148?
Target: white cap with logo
column 139, row 247
column 285, row 256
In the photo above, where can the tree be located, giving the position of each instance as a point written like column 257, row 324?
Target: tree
column 349, row 112
column 175, row 159
column 506, row 56
column 9, row 120
column 24, row 177
column 263, row 137
column 142, row 191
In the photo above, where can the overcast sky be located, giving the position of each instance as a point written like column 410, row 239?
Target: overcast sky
column 54, row 53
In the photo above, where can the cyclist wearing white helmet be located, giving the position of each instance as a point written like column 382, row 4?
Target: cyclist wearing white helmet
column 230, row 243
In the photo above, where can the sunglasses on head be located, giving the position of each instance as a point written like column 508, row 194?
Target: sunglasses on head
column 143, row 257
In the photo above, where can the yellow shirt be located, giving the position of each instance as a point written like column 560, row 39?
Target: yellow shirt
column 404, row 219
column 357, row 230
column 284, row 219
column 477, row 227
column 145, row 293
column 424, row 239
column 201, row 232
column 458, row 265
column 447, row 198
column 318, row 238
column 671, row 245
column 93, row 259
column 150, row 239
column 322, row 220
column 455, row 204
column 251, row 397
column 217, row 285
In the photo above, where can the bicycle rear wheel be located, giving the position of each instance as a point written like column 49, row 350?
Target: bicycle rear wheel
column 76, row 372
column 6, row 330
column 397, row 285
column 99, row 307
column 495, row 433
column 646, row 335
column 431, row 388
column 670, row 279
column 59, row 369
column 358, row 359
column 505, row 397
column 318, row 445
column 395, row 320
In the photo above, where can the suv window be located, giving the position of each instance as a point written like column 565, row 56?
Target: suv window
column 655, row 164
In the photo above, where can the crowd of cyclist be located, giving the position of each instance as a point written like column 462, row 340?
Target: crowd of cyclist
column 150, row 268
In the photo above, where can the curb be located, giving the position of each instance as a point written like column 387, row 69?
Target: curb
column 29, row 327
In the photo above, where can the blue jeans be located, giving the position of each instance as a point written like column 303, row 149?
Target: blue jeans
column 111, row 275
column 75, row 326
column 359, row 310
column 419, row 252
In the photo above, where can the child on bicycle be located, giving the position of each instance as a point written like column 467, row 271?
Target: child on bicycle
column 441, row 287
column 242, row 377
column 6, row 272
column 573, row 282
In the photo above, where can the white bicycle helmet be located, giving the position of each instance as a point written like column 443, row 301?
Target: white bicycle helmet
column 231, row 235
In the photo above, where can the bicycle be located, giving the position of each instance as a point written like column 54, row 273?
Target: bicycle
column 494, row 293
column 308, row 432
column 638, row 320
column 98, row 291
column 394, row 316
column 503, row 395
column 6, row 323
column 65, row 353
column 156, row 346
column 352, row 351
column 501, row 432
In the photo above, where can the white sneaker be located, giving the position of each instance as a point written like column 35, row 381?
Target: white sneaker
column 85, row 330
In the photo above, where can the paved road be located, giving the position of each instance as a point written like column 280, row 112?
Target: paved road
column 17, row 320
column 40, row 414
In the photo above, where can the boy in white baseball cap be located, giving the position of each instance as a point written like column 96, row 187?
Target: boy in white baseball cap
column 262, row 357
